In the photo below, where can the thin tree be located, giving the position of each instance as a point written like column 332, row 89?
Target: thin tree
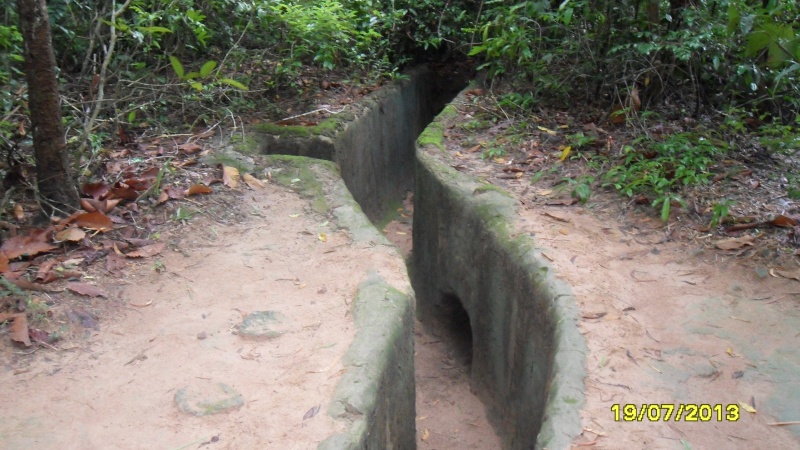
column 57, row 193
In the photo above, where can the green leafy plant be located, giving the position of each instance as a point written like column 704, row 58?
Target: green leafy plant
column 579, row 140
column 661, row 169
column 540, row 174
column 206, row 72
column 493, row 152
column 159, row 266
column 720, row 212
column 581, row 187
column 183, row 214
column 325, row 33
column 516, row 100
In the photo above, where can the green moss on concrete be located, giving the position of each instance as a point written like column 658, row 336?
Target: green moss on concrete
column 214, row 159
column 433, row 135
column 391, row 215
column 327, row 127
column 491, row 188
column 570, row 400
column 302, row 174
column 449, row 112
column 283, row 130
column 245, row 144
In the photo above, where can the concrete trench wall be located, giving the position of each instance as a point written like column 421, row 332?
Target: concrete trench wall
column 374, row 147
column 527, row 361
column 376, row 152
column 528, row 357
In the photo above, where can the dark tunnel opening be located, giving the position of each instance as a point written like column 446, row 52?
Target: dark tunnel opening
column 452, row 325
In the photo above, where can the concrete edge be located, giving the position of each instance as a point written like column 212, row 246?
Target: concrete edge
column 561, row 420
column 376, row 394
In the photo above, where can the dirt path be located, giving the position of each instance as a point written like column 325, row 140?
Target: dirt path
column 178, row 330
column 675, row 323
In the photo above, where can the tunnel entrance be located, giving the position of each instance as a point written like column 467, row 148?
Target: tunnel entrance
column 452, row 325
column 449, row 413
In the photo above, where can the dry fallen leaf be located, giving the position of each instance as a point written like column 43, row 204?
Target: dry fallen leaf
column 3, row 262
column 26, row 245
column 747, row 407
column 199, row 189
column 44, row 269
column 87, row 206
column 72, row 234
column 147, row 251
column 162, row 197
column 253, row 182
column 94, row 221
column 39, row 336
column 735, row 243
column 189, row 148
column 175, row 192
column 89, row 290
column 124, row 192
column 230, row 176
column 115, row 263
column 311, row 413
column 783, row 221
column 19, row 327
column 19, row 213
column 425, row 435
column 791, row 274
column 95, row 190
column 105, row 205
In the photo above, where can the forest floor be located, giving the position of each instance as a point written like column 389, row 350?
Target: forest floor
column 139, row 291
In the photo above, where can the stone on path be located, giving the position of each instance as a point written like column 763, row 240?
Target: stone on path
column 263, row 325
column 206, row 397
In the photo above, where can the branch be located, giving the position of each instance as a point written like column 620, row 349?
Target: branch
column 222, row 63
column 92, row 39
column 87, row 129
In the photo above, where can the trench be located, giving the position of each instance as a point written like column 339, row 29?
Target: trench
column 495, row 330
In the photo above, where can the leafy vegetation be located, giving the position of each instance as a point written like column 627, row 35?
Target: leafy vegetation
column 128, row 63
column 663, row 168
column 708, row 52
column 644, row 63
column 151, row 63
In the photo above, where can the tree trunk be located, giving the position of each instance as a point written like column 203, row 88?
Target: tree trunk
column 57, row 193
